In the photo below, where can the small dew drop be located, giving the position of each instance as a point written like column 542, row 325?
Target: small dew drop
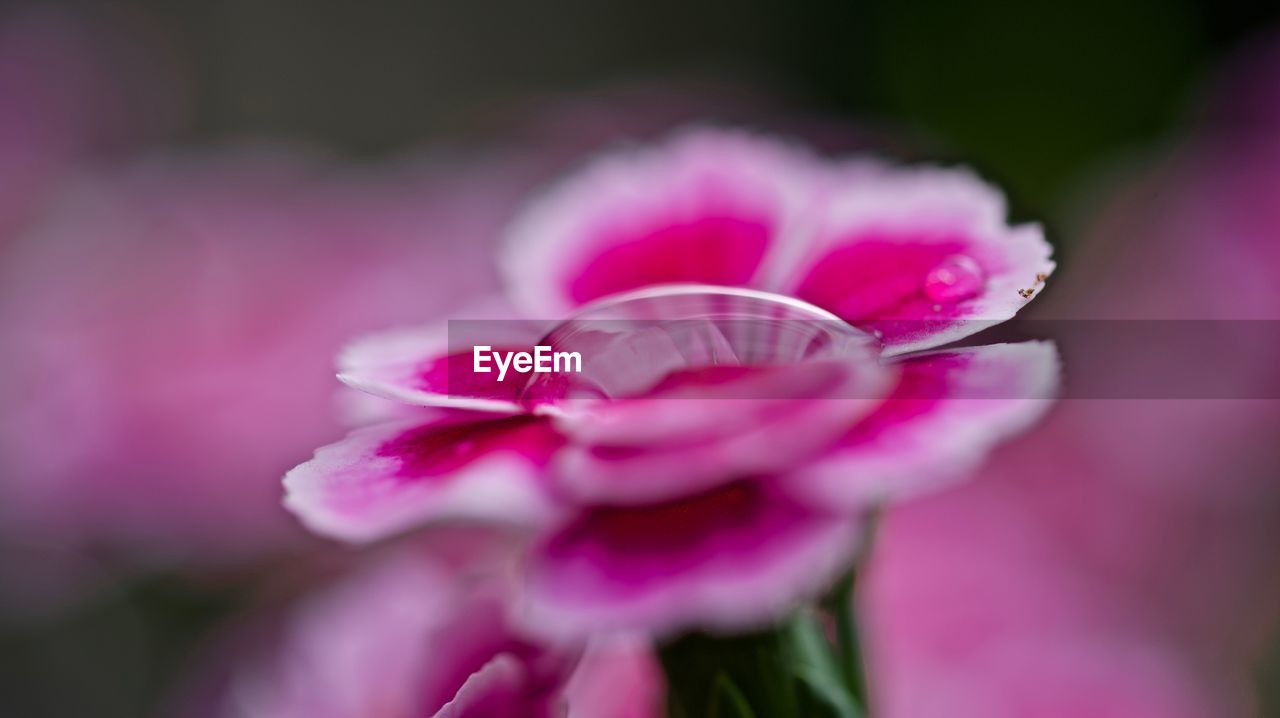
column 956, row 278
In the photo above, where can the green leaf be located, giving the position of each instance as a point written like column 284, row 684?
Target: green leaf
column 728, row 692
column 815, row 666
column 840, row 605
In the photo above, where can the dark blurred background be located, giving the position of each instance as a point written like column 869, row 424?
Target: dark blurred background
column 1038, row 95
column 1034, row 93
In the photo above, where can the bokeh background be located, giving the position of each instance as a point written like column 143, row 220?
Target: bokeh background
column 199, row 201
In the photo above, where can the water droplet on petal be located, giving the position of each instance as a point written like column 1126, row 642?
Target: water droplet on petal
column 955, row 279
column 633, row 342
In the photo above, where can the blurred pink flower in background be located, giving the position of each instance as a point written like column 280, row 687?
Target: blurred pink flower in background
column 987, row 601
column 76, row 89
column 414, row 634
column 669, row 507
column 1119, row 560
column 167, row 324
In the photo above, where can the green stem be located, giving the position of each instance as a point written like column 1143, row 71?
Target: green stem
column 703, row 670
column 787, row 671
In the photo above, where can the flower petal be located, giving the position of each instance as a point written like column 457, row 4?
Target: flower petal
column 950, row 409
column 709, row 206
column 706, row 427
column 499, row 689
column 618, row 677
column 434, row 365
column 730, row 558
column 441, row 622
column 922, row 257
column 384, row 479
column 327, row 659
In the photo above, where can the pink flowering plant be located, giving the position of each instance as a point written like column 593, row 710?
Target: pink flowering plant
column 760, row 337
column 412, row 633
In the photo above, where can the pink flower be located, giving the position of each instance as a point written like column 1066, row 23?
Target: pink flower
column 713, row 484
column 167, row 325
column 982, row 601
column 411, row 636
column 1119, row 560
